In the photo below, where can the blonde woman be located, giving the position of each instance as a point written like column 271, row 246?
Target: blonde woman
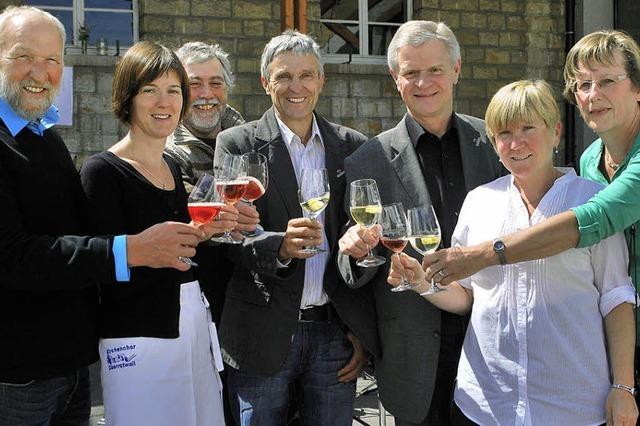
column 544, row 335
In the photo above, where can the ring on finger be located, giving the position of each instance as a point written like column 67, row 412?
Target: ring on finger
column 442, row 273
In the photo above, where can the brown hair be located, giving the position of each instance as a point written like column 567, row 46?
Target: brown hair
column 143, row 63
column 599, row 47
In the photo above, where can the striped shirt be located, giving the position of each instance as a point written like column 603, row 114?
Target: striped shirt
column 309, row 156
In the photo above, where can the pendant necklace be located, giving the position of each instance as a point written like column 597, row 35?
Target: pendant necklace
column 612, row 164
column 159, row 181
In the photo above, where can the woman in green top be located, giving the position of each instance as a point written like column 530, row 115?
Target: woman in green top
column 602, row 77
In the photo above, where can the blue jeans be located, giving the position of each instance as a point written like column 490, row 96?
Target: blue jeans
column 64, row 400
column 318, row 351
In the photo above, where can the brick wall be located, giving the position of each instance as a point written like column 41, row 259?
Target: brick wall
column 501, row 40
column 95, row 128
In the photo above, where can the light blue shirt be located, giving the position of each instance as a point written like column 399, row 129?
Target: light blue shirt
column 16, row 123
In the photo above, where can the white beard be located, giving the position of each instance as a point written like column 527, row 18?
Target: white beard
column 12, row 93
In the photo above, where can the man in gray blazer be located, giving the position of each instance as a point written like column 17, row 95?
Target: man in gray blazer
column 288, row 318
column 434, row 156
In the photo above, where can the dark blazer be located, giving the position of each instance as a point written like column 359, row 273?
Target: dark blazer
column 262, row 303
column 408, row 325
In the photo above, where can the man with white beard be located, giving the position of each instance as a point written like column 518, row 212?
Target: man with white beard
column 193, row 142
column 48, row 270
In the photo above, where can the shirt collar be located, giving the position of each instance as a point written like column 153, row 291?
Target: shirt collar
column 288, row 135
column 416, row 130
column 15, row 123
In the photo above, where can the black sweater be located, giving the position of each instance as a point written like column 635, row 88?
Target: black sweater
column 48, row 296
column 122, row 201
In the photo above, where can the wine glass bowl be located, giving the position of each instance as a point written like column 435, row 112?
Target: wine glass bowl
column 257, row 175
column 231, row 184
column 314, row 196
column 393, row 221
column 365, row 209
column 204, row 204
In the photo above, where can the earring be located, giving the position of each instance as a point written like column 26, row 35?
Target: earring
column 555, row 150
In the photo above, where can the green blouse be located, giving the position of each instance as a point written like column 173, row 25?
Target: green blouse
column 616, row 207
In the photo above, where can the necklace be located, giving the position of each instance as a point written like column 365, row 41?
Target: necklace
column 612, row 164
column 158, row 181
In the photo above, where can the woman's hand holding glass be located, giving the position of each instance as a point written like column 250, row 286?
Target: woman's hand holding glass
column 405, row 268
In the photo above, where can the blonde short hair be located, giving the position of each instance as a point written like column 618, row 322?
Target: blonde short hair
column 599, row 47
column 521, row 101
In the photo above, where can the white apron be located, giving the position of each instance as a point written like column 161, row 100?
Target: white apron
column 152, row 381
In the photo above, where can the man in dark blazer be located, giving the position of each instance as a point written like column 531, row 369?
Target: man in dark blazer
column 434, row 156
column 288, row 318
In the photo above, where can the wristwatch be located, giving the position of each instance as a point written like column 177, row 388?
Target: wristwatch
column 499, row 249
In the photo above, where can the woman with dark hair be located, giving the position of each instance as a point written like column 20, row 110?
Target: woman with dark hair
column 158, row 347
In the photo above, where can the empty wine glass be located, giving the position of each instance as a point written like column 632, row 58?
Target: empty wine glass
column 314, row 197
column 231, row 184
column 393, row 220
column 424, row 235
column 365, row 208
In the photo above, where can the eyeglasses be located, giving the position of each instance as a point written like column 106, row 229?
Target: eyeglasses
column 585, row 87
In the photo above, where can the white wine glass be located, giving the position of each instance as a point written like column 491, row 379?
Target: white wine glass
column 313, row 195
column 424, row 235
column 231, row 184
column 365, row 208
column 393, row 221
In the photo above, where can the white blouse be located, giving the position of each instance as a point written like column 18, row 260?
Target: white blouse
column 535, row 350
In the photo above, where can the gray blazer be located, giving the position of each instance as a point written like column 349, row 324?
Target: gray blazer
column 262, row 302
column 408, row 325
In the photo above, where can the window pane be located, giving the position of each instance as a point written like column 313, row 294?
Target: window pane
column 339, row 9
column 379, row 38
column 388, row 11
column 66, row 17
column 109, row 4
column 111, row 27
column 340, row 38
column 67, row 3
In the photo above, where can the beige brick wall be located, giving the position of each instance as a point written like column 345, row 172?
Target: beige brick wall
column 501, row 40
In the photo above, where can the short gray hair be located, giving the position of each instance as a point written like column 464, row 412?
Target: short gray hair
column 416, row 33
column 197, row 52
column 13, row 11
column 290, row 41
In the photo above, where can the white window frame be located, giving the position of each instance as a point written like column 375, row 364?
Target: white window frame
column 78, row 12
column 363, row 28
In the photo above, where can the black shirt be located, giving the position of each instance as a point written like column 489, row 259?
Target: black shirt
column 122, row 201
column 441, row 163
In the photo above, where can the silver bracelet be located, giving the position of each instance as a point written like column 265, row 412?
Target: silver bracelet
column 625, row 388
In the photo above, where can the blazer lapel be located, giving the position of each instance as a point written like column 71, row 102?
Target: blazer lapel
column 474, row 169
column 406, row 165
column 334, row 152
column 281, row 171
